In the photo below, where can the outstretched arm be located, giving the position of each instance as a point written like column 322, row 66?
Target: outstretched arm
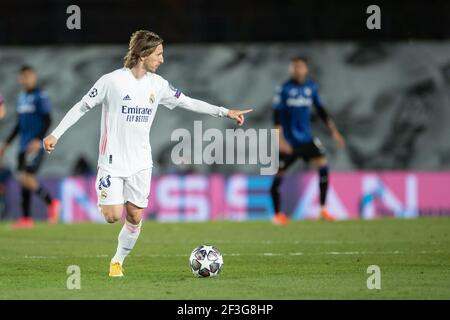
column 74, row 114
column 215, row 111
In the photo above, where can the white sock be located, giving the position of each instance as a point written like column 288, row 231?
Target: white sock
column 126, row 240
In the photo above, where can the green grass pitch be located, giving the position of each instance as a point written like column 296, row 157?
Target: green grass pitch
column 304, row 260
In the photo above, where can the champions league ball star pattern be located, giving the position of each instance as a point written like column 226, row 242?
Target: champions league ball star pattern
column 206, row 261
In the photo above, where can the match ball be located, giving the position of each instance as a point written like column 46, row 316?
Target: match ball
column 206, row 261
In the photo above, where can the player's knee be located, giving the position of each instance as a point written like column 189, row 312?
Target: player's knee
column 111, row 216
column 28, row 181
column 319, row 162
column 135, row 218
column 22, row 179
column 134, row 213
column 111, row 219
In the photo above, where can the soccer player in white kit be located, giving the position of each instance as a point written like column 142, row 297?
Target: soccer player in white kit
column 129, row 98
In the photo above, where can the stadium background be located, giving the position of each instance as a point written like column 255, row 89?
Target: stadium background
column 387, row 89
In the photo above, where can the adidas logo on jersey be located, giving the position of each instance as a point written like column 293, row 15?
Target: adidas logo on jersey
column 126, row 98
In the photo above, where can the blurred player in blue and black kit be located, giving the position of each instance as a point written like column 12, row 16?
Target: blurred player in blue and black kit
column 33, row 121
column 293, row 102
column 4, row 173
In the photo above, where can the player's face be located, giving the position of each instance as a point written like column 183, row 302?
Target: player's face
column 298, row 70
column 28, row 79
column 154, row 60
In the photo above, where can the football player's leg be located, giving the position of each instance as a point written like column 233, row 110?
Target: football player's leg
column 25, row 220
column 136, row 191
column 129, row 233
column 112, row 213
column 315, row 154
column 127, row 238
column 275, row 190
column 26, row 202
column 53, row 205
column 28, row 185
column 322, row 164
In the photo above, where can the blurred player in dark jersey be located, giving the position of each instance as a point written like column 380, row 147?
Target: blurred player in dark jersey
column 33, row 121
column 4, row 173
column 293, row 103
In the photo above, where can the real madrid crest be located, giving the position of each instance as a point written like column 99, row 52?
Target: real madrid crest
column 152, row 98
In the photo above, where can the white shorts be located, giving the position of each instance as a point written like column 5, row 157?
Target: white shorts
column 113, row 190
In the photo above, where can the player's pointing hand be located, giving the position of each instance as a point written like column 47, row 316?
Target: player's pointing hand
column 238, row 115
column 50, row 143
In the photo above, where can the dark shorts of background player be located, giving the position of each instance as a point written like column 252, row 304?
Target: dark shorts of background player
column 30, row 164
column 305, row 151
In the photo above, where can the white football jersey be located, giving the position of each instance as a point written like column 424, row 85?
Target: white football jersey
column 129, row 107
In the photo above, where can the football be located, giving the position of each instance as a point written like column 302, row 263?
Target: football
column 206, row 261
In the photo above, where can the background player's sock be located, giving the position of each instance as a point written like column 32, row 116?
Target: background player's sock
column 26, row 201
column 44, row 194
column 323, row 185
column 275, row 193
column 127, row 239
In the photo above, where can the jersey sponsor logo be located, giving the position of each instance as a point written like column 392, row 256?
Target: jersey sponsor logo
column 104, row 182
column 136, row 110
column 126, row 98
column 93, row 93
column 299, row 102
column 26, row 108
column 137, row 114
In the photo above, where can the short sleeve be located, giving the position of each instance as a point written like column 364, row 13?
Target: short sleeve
column 170, row 96
column 96, row 95
column 278, row 99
